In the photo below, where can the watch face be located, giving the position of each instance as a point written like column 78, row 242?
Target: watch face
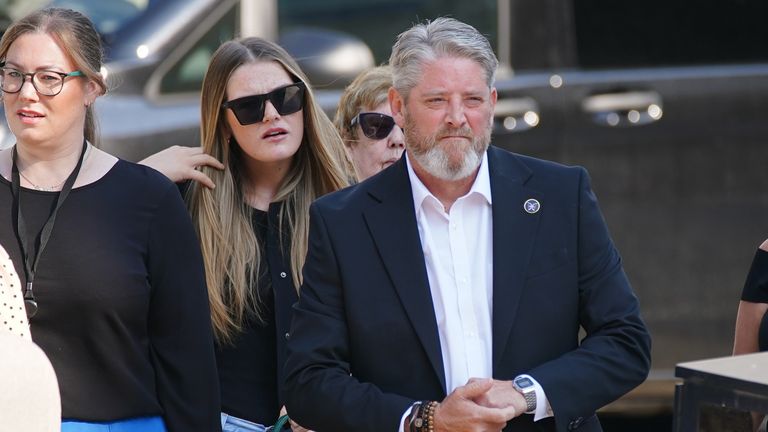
column 523, row 382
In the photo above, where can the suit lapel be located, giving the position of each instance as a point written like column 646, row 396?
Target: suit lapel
column 392, row 224
column 514, row 234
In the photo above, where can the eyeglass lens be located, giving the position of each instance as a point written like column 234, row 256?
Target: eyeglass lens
column 47, row 83
column 250, row 109
column 376, row 125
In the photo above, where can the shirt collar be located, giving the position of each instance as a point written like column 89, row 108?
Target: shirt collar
column 481, row 185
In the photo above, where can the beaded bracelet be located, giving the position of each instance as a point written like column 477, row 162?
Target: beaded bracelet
column 422, row 418
column 428, row 416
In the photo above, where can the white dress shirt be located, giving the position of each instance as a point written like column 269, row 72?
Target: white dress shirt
column 458, row 254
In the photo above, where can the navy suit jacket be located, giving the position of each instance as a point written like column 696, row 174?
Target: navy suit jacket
column 364, row 343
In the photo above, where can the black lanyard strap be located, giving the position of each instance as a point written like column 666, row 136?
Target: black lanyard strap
column 30, row 265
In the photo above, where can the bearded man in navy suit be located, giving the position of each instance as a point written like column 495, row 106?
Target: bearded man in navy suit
column 446, row 293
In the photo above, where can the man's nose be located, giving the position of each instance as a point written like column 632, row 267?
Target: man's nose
column 455, row 115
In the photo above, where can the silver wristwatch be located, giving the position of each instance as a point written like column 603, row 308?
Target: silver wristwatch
column 524, row 385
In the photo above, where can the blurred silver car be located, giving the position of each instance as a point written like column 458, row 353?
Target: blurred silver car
column 157, row 52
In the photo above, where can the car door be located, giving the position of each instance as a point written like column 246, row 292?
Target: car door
column 528, row 118
column 664, row 103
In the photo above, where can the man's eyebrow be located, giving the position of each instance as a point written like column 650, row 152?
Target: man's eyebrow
column 437, row 92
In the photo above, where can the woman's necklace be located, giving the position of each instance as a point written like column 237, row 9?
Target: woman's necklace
column 58, row 185
column 35, row 186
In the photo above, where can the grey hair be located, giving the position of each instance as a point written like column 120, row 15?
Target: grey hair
column 428, row 41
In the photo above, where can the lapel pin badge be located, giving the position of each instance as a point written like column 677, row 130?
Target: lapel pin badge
column 531, row 206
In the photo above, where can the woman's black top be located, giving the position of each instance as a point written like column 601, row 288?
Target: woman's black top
column 250, row 370
column 123, row 309
column 756, row 291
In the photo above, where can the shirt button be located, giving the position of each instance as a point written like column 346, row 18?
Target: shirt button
column 283, row 275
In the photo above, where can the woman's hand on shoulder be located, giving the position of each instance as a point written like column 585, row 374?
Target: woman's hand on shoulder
column 180, row 163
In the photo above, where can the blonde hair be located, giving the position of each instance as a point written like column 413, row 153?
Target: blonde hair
column 77, row 38
column 222, row 217
column 366, row 92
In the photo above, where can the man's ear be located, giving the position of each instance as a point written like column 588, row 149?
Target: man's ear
column 397, row 105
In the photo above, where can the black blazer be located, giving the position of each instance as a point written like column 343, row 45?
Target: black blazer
column 364, row 343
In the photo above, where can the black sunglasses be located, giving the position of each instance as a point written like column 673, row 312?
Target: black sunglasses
column 374, row 125
column 250, row 109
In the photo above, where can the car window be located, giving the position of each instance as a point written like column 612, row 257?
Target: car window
column 186, row 75
column 378, row 22
column 109, row 17
column 670, row 32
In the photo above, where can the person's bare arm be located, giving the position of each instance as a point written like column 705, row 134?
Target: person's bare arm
column 180, row 163
column 747, row 325
column 748, row 319
column 745, row 339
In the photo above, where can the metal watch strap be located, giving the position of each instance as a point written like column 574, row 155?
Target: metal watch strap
column 528, row 392
column 530, row 400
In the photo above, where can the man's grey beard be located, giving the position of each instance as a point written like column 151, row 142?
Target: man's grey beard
column 436, row 160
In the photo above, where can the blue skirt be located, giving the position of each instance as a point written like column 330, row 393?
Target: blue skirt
column 143, row 424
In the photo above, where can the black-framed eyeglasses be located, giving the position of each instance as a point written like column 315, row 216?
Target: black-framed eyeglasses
column 374, row 125
column 45, row 82
column 250, row 109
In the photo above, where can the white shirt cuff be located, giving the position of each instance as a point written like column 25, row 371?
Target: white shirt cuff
column 402, row 419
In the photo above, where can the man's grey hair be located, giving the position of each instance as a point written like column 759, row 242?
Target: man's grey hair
column 443, row 37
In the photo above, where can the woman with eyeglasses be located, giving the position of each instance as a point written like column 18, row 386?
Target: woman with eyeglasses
column 279, row 152
column 365, row 123
column 111, row 271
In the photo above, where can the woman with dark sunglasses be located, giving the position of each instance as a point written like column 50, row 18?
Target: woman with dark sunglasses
column 279, row 152
column 365, row 123
column 112, row 273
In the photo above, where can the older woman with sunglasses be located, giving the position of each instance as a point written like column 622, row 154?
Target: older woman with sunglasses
column 111, row 270
column 365, row 123
column 279, row 152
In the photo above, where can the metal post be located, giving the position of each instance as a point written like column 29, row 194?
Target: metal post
column 258, row 18
column 504, row 32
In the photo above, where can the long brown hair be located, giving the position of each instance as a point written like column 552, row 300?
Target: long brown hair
column 76, row 36
column 222, row 217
